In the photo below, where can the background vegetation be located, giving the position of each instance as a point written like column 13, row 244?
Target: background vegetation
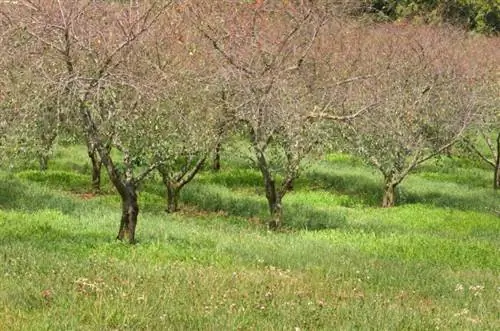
column 481, row 15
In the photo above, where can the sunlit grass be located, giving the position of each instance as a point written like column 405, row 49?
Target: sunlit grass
column 433, row 262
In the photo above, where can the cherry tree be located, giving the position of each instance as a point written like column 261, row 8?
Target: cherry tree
column 424, row 99
column 258, row 49
column 92, row 56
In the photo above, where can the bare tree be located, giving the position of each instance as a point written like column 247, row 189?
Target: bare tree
column 259, row 49
column 424, row 100
column 483, row 138
column 90, row 55
column 188, row 140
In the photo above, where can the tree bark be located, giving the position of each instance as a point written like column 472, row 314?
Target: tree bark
column 172, row 197
column 216, row 160
column 496, row 183
column 43, row 161
column 130, row 211
column 272, row 195
column 96, row 162
column 276, row 211
column 389, row 199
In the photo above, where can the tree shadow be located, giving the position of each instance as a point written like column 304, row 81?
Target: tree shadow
column 216, row 198
column 233, row 178
column 365, row 189
column 369, row 191
column 44, row 236
column 16, row 195
column 473, row 201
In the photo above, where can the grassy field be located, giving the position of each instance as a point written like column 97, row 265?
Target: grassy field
column 342, row 263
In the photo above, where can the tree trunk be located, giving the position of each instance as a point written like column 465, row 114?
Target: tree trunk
column 273, row 200
column 130, row 211
column 96, row 162
column 496, row 183
column 276, row 211
column 389, row 199
column 43, row 161
column 216, row 160
column 172, row 197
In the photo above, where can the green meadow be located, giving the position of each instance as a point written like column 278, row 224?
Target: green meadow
column 340, row 263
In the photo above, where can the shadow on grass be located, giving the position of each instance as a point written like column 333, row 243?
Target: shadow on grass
column 18, row 196
column 45, row 236
column 474, row 201
column 233, row 178
column 369, row 191
column 216, row 198
column 58, row 179
column 366, row 189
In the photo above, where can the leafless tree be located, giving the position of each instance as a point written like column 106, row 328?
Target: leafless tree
column 483, row 137
column 424, row 100
column 91, row 55
column 258, row 49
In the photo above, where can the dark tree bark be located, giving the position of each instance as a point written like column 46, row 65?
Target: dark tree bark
column 173, row 191
column 216, row 159
column 273, row 196
column 174, row 182
column 125, row 184
column 130, row 211
column 96, row 163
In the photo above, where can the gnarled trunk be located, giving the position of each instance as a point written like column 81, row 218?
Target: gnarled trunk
column 272, row 195
column 216, row 160
column 496, row 182
column 130, row 211
column 276, row 211
column 43, row 161
column 389, row 199
column 96, row 162
column 172, row 196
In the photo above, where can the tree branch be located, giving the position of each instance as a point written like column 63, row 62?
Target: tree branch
column 345, row 118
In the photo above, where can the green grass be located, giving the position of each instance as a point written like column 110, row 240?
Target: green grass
column 433, row 262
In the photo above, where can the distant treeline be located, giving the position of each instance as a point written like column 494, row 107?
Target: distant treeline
column 477, row 15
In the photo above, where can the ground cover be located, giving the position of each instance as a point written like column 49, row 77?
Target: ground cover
column 341, row 262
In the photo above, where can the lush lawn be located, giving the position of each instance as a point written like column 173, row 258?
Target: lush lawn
column 341, row 263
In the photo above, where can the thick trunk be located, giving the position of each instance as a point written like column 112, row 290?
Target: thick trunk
column 130, row 211
column 389, row 199
column 172, row 197
column 273, row 196
column 96, row 162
